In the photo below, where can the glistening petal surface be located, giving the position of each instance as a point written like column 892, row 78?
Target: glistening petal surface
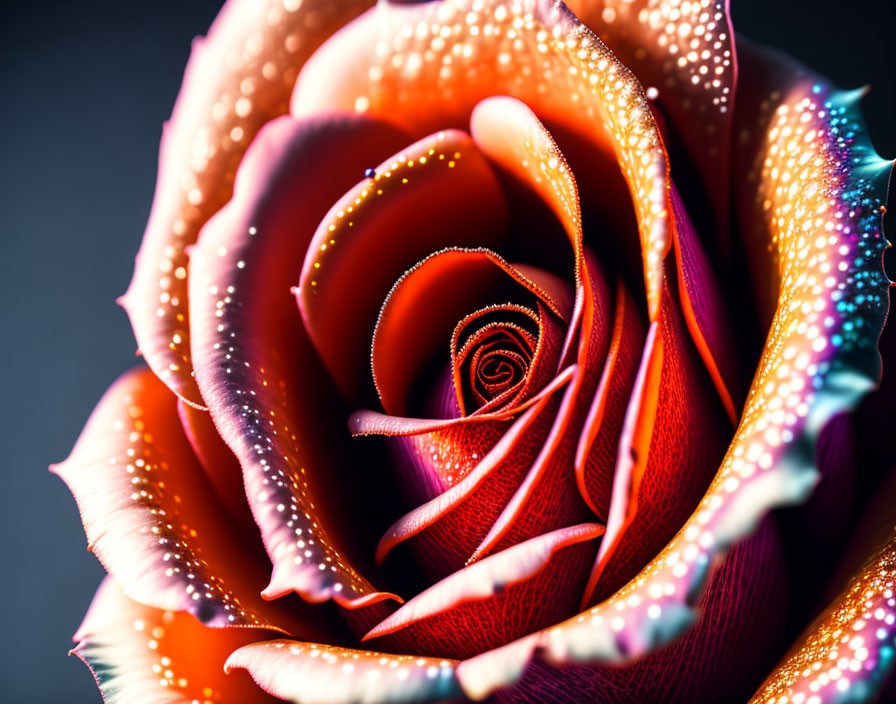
column 684, row 53
column 536, row 51
column 267, row 392
column 847, row 653
column 141, row 655
column 239, row 77
column 435, row 193
column 151, row 517
column 308, row 673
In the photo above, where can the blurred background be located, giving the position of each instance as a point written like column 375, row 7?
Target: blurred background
column 84, row 89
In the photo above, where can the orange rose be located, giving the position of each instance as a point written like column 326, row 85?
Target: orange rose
column 469, row 352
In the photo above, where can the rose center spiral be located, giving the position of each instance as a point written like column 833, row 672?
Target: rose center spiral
column 492, row 356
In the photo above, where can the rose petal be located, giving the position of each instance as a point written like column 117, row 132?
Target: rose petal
column 705, row 312
column 307, row 673
column 268, row 394
column 459, row 518
column 141, row 654
column 596, row 450
column 539, row 368
column 504, row 596
column 151, row 517
column 373, row 423
column 510, row 134
column 437, row 193
column 239, row 77
column 219, row 464
column 550, row 61
column 428, row 463
column 685, row 53
column 424, row 306
column 846, row 655
column 809, row 371
column 742, row 616
column 661, row 453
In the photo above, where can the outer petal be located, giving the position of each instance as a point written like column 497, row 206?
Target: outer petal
column 268, row 394
column 140, row 654
column 822, row 188
column 151, row 517
column 685, row 52
column 239, row 77
column 846, row 655
column 721, row 660
column 307, row 673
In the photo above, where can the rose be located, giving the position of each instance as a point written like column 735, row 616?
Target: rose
column 576, row 426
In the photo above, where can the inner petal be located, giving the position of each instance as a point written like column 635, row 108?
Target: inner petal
column 438, row 192
column 424, row 306
column 491, row 355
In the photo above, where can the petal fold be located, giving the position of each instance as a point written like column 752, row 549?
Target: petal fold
column 423, row 308
column 439, row 192
column 505, row 595
column 239, row 76
column 685, row 53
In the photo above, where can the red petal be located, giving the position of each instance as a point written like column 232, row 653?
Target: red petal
column 428, row 463
column 308, row 673
column 504, row 596
column 436, row 193
column 550, row 481
column 141, row 654
column 449, row 527
column 267, row 393
column 660, row 455
column 420, row 313
column 239, row 77
column 684, row 52
column 595, row 459
column 373, row 423
column 541, row 352
column 151, row 517
column 742, row 617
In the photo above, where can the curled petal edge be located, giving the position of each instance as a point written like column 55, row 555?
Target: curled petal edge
column 308, row 673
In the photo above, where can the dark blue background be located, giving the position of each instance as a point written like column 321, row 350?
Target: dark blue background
column 84, row 89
